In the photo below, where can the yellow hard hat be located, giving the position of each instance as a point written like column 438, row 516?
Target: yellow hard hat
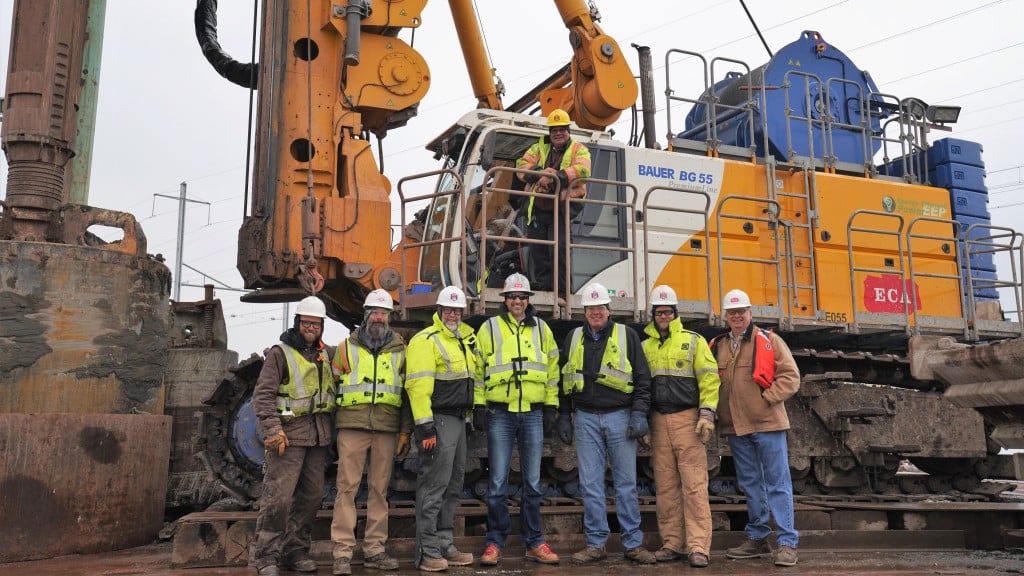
column 558, row 117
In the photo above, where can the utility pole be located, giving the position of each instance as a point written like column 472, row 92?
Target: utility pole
column 182, row 199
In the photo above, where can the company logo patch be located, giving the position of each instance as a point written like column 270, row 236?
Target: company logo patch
column 595, row 294
column 454, row 296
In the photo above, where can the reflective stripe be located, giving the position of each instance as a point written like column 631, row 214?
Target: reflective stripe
column 365, row 383
column 615, row 352
column 449, row 373
column 310, row 385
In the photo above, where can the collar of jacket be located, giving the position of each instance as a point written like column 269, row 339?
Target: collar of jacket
column 603, row 332
column 392, row 341
column 464, row 329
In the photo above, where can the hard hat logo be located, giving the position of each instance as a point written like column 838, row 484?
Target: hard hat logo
column 558, row 117
column 454, row 297
column 594, row 294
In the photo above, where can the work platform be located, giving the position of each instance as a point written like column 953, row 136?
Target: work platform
column 208, row 539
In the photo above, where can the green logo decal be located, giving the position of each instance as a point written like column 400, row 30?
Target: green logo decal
column 888, row 204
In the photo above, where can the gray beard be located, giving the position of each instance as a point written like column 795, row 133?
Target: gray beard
column 452, row 325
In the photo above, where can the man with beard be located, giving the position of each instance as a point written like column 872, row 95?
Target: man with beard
column 370, row 418
column 560, row 158
column 440, row 371
column 518, row 372
column 293, row 400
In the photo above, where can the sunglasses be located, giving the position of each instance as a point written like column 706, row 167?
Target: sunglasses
column 517, row 296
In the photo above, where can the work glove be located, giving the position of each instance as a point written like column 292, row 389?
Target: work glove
column 428, row 438
column 531, row 178
column 705, row 425
column 402, row 449
column 638, row 427
column 550, row 417
column 563, row 427
column 276, row 441
column 480, row 418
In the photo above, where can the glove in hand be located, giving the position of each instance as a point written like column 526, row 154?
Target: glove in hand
column 402, row 448
column 428, row 438
column 705, row 425
column 480, row 418
column 550, row 418
column 563, row 427
column 638, row 426
column 276, row 441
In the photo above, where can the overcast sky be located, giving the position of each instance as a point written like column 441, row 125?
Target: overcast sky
column 166, row 117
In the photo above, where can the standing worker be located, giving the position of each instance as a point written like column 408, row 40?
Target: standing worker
column 606, row 382
column 440, row 371
column 519, row 372
column 563, row 159
column 371, row 423
column 684, row 398
column 758, row 375
column 293, row 400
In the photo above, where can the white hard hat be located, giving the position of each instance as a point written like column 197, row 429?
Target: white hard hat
column 379, row 298
column 516, row 283
column 311, row 306
column 595, row 294
column 735, row 299
column 452, row 297
column 663, row 296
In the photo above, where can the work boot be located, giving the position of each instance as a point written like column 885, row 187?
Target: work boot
column 299, row 562
column 491, row 555
column 268, row 570
column 542, row 554
column 589, row 555
column 786, row 556
column 667, row 555
column 750, row 549
column 640, row 555
column 342, row 567
column 380, row 562
column 456, row 558
column 698, row 560
column 431, row 564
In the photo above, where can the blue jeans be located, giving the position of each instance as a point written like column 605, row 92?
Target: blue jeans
column 525, row 429
column 601, row 438
column 762, row 470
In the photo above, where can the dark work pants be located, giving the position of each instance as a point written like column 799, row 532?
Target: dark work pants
column 293, row 489
column 541, row 265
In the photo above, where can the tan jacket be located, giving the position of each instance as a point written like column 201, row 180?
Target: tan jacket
column 742, row 408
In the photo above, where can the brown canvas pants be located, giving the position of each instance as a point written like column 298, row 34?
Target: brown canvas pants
column 354, row 447
column 681, row 478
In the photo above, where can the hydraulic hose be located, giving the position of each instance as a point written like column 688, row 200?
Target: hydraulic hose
column 245, row 75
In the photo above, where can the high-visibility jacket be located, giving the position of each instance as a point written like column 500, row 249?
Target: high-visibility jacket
column 310, row 385
column 367, row 377
column 575, row 163
column 763, row 365
column 684, row 373
column 440, row 371
column 518, row 362
column 616, row 370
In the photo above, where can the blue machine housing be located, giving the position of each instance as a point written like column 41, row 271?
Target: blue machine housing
column 813, row 75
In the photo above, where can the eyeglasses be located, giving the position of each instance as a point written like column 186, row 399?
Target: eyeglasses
column 517, row 296
column 309, row 323
column 668, row 312
column 557, row 130
column 447, row 310
column 737, row 311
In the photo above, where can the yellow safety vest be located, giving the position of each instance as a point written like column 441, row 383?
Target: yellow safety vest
column 518, row 368
column 370, row 379
column 616, row 372
column 310, row 385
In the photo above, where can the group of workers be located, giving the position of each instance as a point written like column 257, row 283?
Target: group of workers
column 604, row 390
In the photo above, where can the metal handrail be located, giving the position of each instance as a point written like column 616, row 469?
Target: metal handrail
column 706, row 255
column 898, row 233
column 772, row 210
column 965, row 313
